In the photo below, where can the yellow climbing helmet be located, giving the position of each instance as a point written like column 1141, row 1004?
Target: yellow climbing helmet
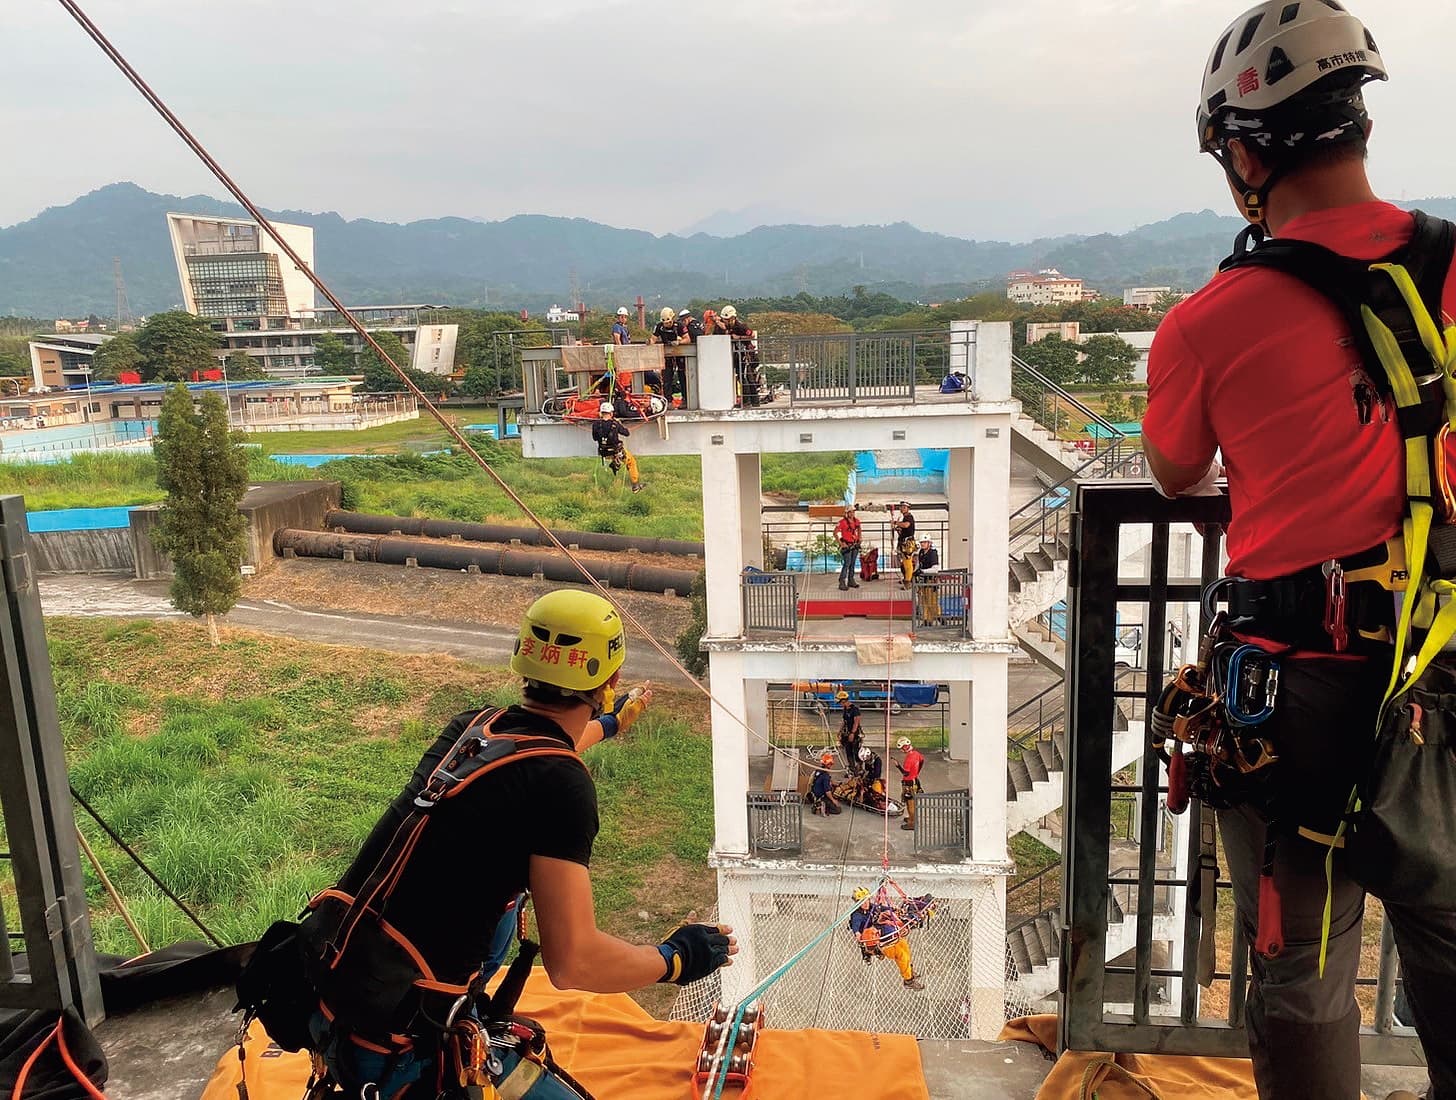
column 860, row 893
column 570, row 640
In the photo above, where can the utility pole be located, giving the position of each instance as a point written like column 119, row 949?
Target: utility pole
column 123, row 307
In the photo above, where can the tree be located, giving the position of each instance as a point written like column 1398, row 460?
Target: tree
column 332, row 356
column 12, row 365
column 205, row 474
column 1137, row 404
column 242, row 367
column 1166, row 301
column 1054, row 357
column 776, row 322
column 118, row 354
column 380, row 378
column 175, row 345
column 1115, row 408
column 1107, row 359
column 687, row 644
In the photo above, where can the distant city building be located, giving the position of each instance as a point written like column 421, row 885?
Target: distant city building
column 63, row 359
column 1146, row 297
column 236, row 275
column 1066, row 330
column 1044, row 288
column 558, row 316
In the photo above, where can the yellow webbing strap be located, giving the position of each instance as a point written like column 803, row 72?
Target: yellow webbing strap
column 1419, row 608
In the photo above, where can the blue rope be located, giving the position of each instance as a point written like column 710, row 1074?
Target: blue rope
column 721, row 1070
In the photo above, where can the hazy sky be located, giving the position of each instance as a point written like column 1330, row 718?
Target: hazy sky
column 981, row 118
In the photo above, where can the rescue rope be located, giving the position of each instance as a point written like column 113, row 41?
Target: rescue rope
column 719, row 1076
column 126, row 69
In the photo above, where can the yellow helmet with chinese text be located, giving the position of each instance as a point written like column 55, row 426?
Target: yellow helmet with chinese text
column 860, row 893
column 570, row 640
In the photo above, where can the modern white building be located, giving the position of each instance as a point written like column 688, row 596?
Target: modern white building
column 232, row 267
column 558, row 316
column 772, row 627
column 235, row 274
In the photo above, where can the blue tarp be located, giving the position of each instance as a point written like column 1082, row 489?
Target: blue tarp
column 78, row 519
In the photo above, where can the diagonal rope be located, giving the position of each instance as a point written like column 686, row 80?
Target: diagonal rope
column 455, row 434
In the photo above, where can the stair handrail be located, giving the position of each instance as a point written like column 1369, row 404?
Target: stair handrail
column 1113, row 432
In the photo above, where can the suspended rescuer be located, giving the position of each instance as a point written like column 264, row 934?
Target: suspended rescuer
column 608, row 433
column 878, row 930
column 398, row 953
column 1266, row 369
column 909, row 779
column 847, row 534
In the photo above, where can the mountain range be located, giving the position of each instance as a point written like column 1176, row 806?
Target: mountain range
column 60, row 263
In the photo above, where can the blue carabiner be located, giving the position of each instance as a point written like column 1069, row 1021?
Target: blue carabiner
column 1232, row 685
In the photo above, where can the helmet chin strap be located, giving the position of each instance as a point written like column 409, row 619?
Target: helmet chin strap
column 1253, row 201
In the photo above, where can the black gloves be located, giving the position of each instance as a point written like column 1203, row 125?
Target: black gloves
column 694, row 951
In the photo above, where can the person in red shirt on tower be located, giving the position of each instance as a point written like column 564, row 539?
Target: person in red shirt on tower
column 909, row 779
column 1260, row 370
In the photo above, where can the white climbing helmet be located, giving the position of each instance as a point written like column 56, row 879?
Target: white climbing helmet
column 621, row 311
column 1272, row 53
column 865, row 753
column 903, row 743
column 666, row 314
column 727, row 313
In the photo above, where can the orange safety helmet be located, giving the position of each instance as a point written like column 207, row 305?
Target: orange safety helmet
column 827, row 759
column 870, row 937
column 710, row 321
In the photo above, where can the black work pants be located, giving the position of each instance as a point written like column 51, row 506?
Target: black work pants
column 1303, row 1029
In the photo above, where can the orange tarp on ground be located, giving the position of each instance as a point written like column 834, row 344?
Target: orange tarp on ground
column 1079, row 1075
column 617, row 1051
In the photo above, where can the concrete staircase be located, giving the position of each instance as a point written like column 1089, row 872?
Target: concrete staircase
column 1035, row 946
column 1038, row 579
column 1054, row 458
column 1034, row 780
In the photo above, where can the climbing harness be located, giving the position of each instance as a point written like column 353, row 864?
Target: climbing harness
column 373, row 988
column 1398, row 817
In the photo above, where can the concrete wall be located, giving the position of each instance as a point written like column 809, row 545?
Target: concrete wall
column 268, row 507
column 108, row 550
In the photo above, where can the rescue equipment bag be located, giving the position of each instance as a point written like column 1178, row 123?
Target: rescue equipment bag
column 1400, row 829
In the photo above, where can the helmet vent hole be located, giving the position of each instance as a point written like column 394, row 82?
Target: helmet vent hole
column 1334, row 4
column 542, row 634
column 567, row 639
column 1250, row 28
column 1279, row 66
column 1218, row 52
column 1288, row 14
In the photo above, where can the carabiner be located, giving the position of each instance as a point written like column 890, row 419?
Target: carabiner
column 1235, row 686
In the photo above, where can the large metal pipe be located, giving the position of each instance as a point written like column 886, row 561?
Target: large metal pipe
column 389, row 550
column 366, row 524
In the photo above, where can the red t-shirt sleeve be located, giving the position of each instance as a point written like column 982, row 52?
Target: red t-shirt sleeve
column 1176, row 422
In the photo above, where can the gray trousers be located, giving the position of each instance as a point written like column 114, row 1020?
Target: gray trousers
column 1303, row 1029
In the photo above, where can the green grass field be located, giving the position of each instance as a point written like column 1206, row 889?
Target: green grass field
column 247, row 775
column 575, row 493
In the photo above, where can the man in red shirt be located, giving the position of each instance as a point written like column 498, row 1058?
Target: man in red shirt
column 909, row 779
column 1260, row 371
column 847, row 532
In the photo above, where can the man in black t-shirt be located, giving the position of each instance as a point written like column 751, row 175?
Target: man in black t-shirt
column 527, row 825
